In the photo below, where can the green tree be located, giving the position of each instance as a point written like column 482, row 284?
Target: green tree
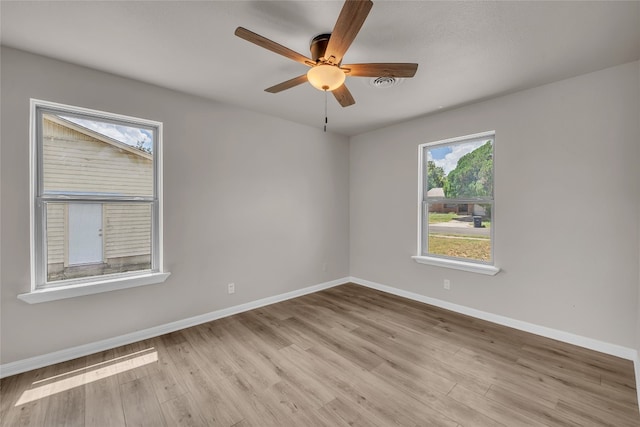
column 473, row 175
column 140, row 145
column 435, row 176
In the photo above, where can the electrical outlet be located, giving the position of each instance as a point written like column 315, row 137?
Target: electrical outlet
column 231, row 288
column 447, row 284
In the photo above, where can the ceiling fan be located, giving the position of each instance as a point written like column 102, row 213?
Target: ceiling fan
column 327, row 72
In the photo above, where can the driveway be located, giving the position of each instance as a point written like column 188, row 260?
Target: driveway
column 458, row 228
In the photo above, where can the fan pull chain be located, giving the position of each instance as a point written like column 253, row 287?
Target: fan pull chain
column 325, row 110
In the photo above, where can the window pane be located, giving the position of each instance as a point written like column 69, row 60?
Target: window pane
column 94, row 239
column 460, row 230
column 460, row 170
column 92, row 157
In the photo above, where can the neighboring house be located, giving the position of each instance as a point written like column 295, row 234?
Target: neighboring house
column 460, row 209
column 438, row 207
column 111, row 237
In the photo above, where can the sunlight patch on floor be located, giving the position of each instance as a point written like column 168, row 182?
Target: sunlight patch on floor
column 80, row 377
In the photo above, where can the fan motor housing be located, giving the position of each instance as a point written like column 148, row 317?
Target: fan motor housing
column 319, row 46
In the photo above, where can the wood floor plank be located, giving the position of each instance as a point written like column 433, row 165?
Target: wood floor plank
column 103, row 403
column 594, row 369
column 412, row 360
column 165, row 382
column 496, row 410
column 344, row 356
column 141, row 408
column 244, row 346
column 339, row 413
column 321, row 317
column 9, row 386
column 490, row 370
column 369, row 391
column 23, row 404
column 262, row 330
column 66, row 394
column 531, row 408
column 303, row 383
column 340, row 376
column 206, row 339
column 589, row 416
column 257, row 409
column 335, row 340
column 414, row 377
column 125, row 352
column 426, row 390
column 209, row 392
column 182, row 410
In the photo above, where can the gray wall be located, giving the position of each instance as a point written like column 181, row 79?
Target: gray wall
column 248, row 198
column 638, row 324
column 567, row 195
column 264, row 203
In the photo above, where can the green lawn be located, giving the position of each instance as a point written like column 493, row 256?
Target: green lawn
column 460, row 247
column 441, row 217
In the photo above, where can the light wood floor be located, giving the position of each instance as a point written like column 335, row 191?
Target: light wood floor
column 346, row 356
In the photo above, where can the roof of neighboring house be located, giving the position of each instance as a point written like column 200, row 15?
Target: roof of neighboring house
column 100, row 137
column 436, row 192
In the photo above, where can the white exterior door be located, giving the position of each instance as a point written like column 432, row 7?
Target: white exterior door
column 85, row 233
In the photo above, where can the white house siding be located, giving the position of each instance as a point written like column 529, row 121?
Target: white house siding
column 55, row 233
column 76, row 162
column 127, row 230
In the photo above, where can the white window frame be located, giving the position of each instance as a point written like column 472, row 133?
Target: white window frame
column 41, row 290
column 474, row 266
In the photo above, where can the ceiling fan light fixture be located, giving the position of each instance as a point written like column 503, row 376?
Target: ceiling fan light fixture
column 326, row 77
column 327, row 72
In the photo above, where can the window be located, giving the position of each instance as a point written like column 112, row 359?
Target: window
column 456, row 204
column 96, row 205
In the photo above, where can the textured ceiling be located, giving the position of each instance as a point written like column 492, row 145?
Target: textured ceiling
column 467, row 51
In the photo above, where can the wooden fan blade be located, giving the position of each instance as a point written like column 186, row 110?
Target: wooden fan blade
column 288, row 84
column 343, row 96
column 380, row 70
column 350, row 20
column 264, row 42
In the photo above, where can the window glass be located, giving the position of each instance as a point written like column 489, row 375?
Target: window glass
column 96, row 202
column 462, row 230
column 93, row 157
column 87, row 239
column 457, row 203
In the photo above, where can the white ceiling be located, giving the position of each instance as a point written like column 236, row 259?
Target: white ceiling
column 467, row 51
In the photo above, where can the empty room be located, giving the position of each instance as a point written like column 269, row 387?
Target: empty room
column 319, row 213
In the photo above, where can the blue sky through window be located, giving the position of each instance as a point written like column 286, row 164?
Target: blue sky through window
column 133, row 136
column 440, row 152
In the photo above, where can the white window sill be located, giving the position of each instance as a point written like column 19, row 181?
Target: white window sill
column 458, row 265
column 96, row 287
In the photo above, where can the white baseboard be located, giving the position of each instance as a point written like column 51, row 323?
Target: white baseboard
column 590, row 343
column 636, row 367
column 36, row 362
